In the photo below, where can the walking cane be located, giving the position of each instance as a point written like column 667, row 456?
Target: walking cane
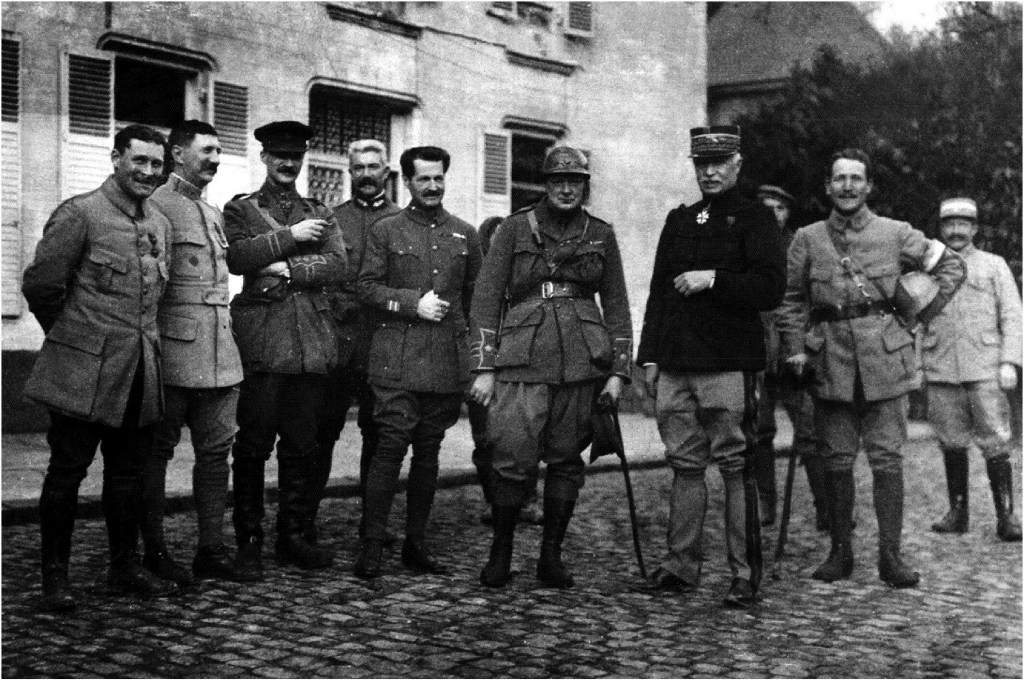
column 608, row 439
column 787, row 500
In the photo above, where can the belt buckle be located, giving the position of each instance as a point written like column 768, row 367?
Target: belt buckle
column 547, row 290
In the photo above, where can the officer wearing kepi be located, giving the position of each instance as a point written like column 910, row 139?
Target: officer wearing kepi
column 288, row 248
column 971, row 354
column 719, row 263
column 368, row 168
column 417, row 274
column 556, row 351
column 839, row 319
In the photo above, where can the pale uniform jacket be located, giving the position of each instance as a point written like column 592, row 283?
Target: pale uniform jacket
column 194, row 316
column 876, row 346
column 979, row 328
column 98, row 272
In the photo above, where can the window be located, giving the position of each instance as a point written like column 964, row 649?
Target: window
column 149, row 94
column 231, row 119
column 10, row 95
column 580, row 20
column 338, row 118
column 528, row 153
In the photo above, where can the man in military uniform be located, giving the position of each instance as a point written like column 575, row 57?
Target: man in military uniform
column 201, row 366
column 719, row 262
column 288, row 248
column 776, row 386
column 417, row 276
column 971, row 354
column 555, row 353
column 838, row 320
column 98, row 272
column 368, row 167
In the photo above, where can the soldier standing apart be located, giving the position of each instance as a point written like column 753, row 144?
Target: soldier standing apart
column 368, row 167
column 775, row 385
column 555, row 352
column 719, row 262
column 289, row 248
column 837, row 320
column 201, row 366
column 98, row 272
column 418, row 273
column 971, row 351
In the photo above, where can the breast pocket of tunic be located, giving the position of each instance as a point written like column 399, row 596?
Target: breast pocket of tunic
column 188, row 255
column 109, row 270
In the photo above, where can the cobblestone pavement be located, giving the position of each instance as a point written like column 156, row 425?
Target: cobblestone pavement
column 963, row 621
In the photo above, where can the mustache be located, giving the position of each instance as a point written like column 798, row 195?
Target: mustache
column 367, row 182
column 431, row 193
column 288, row 170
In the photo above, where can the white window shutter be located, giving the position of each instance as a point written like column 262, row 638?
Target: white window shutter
column 10, row 202
column 495, row 175
column 89, row 138
column 231, row 119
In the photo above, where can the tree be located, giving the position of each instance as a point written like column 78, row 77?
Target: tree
column 940, row 116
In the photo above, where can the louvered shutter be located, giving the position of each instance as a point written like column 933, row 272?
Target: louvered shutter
column 89, row 88
column 231, row 119
column 581, row 19
column 10, row 246
column 495, row 174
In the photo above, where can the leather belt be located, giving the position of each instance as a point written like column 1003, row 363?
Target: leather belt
column 558, row 289
column 197, row 296
column 845, row 312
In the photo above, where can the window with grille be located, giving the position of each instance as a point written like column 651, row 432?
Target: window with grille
column 231, row 117
column 339, row 119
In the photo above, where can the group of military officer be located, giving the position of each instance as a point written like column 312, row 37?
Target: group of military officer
column 396, row 310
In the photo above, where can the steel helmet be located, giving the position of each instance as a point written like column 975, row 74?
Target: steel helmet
column 565, row 160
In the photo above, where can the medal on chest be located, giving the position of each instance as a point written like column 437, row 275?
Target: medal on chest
column 704, row 215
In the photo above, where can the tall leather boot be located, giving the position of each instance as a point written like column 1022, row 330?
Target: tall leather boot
column 319, row 476
column 508, row 500
column 294, row 505
column 1000, row 477
column 247, row 516
column 764, row 474
column 550, row 569
column 888, row 497
column 57, row 511
column 121, row 500
column 151, row 523
column 743, row 537
column 814, row 466
column 839, row 563
column 957, row 519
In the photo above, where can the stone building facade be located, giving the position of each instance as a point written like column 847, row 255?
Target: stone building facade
column 495, row 83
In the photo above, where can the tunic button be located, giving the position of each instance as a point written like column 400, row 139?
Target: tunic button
column 436, row 272
column 433, row 248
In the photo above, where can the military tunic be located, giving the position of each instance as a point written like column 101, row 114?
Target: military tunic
column 98, row 273
column 555, row 347
column 863, row 366
column 283, row 327
column 964, row 346
column 202, row 367
column 418, row 368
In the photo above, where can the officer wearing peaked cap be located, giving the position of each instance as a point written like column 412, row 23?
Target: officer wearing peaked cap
column 971, row 354
column 288, row 248
column 718, row 264
column 555, row 352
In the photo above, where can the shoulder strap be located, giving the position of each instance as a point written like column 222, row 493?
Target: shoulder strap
column 854, row 269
